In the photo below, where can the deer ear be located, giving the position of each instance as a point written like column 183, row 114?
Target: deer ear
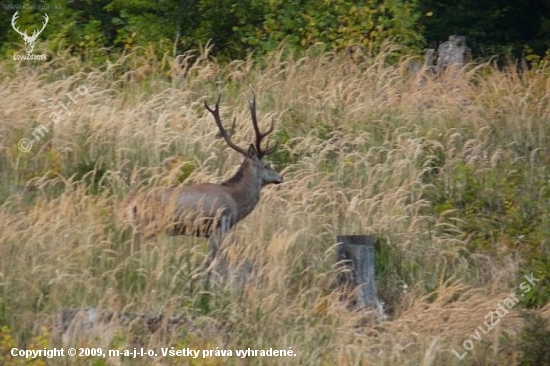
column 252, row 152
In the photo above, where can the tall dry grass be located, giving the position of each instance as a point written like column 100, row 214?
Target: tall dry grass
column 360, row 141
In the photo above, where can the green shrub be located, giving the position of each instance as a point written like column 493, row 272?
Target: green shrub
column 535, row 340
column 499, row 211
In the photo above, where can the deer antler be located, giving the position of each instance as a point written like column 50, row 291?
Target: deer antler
column 35, row 33
column 216, row 113
column 260, row 135
column 15, row 16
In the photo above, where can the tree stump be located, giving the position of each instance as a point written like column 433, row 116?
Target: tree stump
column 355, row 256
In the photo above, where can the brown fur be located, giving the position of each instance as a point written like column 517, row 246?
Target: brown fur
column 206, row 209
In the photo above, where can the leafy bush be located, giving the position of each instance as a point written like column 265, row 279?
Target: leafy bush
column 534, row 341
column 98, row 29
column 501, row 211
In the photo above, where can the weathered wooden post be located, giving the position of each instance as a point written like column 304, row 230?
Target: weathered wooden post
column 356, row 254
column 452, row 53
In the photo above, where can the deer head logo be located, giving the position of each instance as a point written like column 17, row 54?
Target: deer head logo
column 29, row 40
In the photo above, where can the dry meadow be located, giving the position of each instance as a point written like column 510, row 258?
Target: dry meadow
column 450, row 172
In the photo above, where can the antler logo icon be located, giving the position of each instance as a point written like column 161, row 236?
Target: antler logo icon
column 29, row 41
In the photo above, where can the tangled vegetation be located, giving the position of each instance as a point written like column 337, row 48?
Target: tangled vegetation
column 449, row 172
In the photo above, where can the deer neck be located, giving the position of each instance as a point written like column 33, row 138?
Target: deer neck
column 245, row 187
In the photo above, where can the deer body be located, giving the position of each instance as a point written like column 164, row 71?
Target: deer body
column 207, row 209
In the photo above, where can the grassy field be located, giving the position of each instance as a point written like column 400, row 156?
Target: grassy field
column 450, row 173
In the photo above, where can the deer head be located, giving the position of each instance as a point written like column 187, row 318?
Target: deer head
column 29, row 41
column 255, row 152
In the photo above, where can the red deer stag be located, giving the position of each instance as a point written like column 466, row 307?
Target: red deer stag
column 207, row 209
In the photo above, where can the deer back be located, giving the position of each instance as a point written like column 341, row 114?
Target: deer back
column 193, row 210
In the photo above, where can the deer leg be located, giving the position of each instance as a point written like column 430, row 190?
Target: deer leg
column 216, row 238
column 213, row 242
